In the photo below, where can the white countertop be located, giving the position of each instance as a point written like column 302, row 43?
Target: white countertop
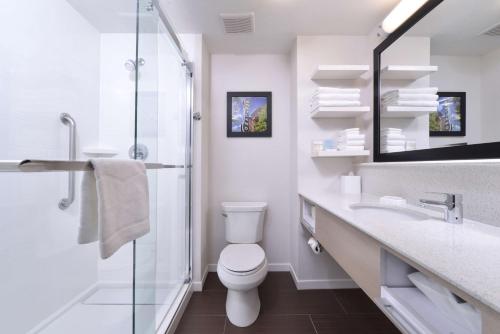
column 465, row 255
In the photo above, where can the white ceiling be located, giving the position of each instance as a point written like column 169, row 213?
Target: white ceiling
column 277, row 22
column 455, row 27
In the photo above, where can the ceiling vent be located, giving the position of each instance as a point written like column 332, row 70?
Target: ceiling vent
column 493, row 31
column 243, row 23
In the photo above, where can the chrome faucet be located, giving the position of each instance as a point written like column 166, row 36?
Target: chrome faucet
column 453, row 207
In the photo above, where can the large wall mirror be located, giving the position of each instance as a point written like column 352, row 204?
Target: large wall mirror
column 437, row 84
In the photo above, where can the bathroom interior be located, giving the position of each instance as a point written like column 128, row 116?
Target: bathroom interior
column 327, row 167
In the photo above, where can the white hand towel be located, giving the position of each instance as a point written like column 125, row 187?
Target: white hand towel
column 336, row 90
column 391, row 142
column 410, row 103
column 351, row 130
column 334, row 103
column 397, row 130
column 391, row 149
column 351, row 136
column 335, row 96
column 425, row 90
column 342, row 147
column 394, row 95
column 352, row 142
column 391, row 136
column 115, row 204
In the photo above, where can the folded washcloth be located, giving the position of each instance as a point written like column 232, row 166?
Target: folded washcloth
column 390, row 149
column 115, row 204
column 425, row 90
column 336, row 97
column 391, row 130
column 350, row 130
column 342, row 147
column 411, row 103
column 351, row 136
column 335, row 90
column 395, row 95
column 392, row 136
column 334, row 103
column 352, row 142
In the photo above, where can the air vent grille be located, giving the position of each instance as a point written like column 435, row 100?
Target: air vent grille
column 493, row 31
column 238, row 23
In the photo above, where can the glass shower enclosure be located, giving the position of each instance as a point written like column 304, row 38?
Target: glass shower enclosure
column 87, row 79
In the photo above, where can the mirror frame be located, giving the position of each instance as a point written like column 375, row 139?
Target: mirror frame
column 465, row 152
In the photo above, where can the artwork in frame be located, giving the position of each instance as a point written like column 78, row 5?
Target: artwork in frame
column 449, row 120
column 249, row 114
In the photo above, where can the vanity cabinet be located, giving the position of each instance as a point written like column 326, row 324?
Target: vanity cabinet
column 379, row 270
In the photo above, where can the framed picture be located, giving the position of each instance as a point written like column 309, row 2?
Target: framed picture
column 249, row 114
column 449, row 120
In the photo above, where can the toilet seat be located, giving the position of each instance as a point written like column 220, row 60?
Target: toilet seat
column 242, row 259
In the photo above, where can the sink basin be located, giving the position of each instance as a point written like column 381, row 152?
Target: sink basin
column 384, row 212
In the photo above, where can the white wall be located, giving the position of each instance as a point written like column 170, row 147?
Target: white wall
column 311, row 51
column 490, row 98
column 251, row 169
column 51, row 65
column 460, row 74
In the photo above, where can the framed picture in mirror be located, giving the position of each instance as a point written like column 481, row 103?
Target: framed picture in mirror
column 449, row 119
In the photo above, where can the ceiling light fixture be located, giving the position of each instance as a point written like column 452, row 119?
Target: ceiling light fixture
column 401, row 13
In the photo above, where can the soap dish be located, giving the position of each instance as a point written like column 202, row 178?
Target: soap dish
column 393, row 200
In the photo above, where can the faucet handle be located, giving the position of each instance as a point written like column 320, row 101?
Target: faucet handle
column 450, row 197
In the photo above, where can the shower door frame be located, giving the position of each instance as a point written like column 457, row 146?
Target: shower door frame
column 170, row 319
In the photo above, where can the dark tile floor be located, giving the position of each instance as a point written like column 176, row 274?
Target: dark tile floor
column 286, row 310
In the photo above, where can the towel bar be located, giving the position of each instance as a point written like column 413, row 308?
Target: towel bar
column 33, row 166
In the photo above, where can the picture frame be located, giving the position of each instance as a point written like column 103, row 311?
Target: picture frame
column 449, row 120
column 249, row 114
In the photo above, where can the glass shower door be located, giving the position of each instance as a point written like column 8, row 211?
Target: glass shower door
column 163, row 129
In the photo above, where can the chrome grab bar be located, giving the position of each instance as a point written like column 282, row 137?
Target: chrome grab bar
column 36, row 166
column 66, row 119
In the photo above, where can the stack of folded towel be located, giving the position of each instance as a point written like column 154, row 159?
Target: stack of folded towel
column 411, row 97
column 351, row 140
column 392, row 140
column 335, row 97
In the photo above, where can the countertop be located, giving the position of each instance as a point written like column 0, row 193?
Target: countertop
column 465, row 255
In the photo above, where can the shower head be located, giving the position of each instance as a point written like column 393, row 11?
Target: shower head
column 131, row 66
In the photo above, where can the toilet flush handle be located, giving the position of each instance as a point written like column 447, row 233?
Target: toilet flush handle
column 224, row 214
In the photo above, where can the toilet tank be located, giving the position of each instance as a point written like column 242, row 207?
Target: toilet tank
column 244, row 221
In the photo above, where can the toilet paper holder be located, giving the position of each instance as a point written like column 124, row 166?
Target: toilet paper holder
column 314, row 245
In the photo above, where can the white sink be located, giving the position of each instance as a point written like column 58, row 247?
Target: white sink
column 385, row 212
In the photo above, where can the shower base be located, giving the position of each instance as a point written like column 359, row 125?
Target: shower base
column 108, row 310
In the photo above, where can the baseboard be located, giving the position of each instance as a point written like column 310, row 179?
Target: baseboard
column 336, row 283
column 271, row 267
column 198, row 285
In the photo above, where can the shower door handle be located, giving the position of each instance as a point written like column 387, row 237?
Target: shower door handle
column 66, row 119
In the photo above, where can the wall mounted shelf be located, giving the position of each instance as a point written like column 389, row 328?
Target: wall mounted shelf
column 339, row 112
column 404, row 72
column 335, row 72
column 405, row 112
column 97, row 151
column 339, row 154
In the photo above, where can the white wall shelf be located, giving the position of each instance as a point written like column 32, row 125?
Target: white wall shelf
column 339, row 154
column 97, row 151
column 339, row 112
column 404, row 72
column 325, row 72
column 405, row 112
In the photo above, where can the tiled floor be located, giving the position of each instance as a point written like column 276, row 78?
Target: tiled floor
column 285, row 310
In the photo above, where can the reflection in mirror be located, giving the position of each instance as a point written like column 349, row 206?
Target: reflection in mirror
column 440, row 81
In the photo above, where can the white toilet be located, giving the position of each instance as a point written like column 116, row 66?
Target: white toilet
column 242, row 264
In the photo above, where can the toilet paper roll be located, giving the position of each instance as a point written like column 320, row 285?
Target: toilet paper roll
column 314, row 244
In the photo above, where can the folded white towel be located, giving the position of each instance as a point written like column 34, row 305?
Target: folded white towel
column 342, row 147
column 351, row 130
column 336, row 90
column 425, row 90
column 411, row 103
column 352, row 142
column 337, row 97
column 394, row 96
column 392, row 136
column 334, row 103
column 392, row 142
column 115, row 204
column 392, row 130
column 351, row 136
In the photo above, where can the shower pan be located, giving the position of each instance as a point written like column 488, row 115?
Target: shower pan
column 83, row 103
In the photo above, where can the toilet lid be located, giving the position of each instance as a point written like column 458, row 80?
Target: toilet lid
column 242, row 257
